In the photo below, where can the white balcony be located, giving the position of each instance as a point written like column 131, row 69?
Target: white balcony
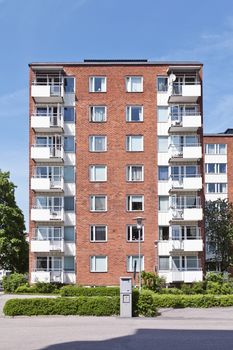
column 47, row 123
column 187, row 214
column 184, row 153
column 185, row 123
column 46, row 184
column 47, row 93
column 48, row 214
column 47, row 153
column 47, row 276
column 47, row 246
column 187, row 276
column 182, row 93
column 185, row 245
column 186, row 183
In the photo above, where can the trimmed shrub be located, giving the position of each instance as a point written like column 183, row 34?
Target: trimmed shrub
column 198, row 287
column 91, row 306
column 227, row 288
column 152, row 281
column 146, row 304
column 75, row 291
column 135, row 297
column 174, row 291
column 12, row 282
column 186, row 289
column 203, row 301
column 214, row 277
column 26, row 289
column 213, row 287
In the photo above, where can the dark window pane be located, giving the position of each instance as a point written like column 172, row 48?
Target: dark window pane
column 69, row 114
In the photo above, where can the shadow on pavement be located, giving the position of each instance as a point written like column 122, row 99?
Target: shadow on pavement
column 151, row 339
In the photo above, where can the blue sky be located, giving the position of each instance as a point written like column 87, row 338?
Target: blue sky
column 71, row 30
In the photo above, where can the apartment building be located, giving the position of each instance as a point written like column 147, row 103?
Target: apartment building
column 112, row 140
column 218, row 173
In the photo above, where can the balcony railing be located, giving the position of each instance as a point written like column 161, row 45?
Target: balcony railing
column 48, row 234
column 177, row 119
column 178, row 181
column 177, row 88
column 177, row 150
column 54, row 151
column 183, row 202
column 55, row 119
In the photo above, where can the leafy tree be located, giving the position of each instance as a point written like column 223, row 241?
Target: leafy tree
column 13, row 244
column 219, row 232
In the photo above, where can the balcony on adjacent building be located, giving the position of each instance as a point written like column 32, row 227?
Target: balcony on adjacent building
column 45, row 153
column 47, row 178
column 38, row 275
column 185, row 122
column 47, row 121
column 47, row 214
column 184, row 87
column 47, row 88
column 185, row 152
column 186, row 208
column 47, row 239
column 187, row 182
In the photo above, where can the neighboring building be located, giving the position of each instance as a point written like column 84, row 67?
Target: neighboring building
column 111, row 140
column 218, row 174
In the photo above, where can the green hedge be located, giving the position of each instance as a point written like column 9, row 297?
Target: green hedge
column 13, row 281
column 75, row 291
column 181, row 301
column 89, row 306
column 39, row 288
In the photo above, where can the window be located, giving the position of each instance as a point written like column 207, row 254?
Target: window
column 162, row 114
column 162, row 84
column 69, row 144
column 215, row 168
column 97, row 84
column 134, row 84
column 69, row 203
column 216, row 188
column 98, row 263
column 134, row 113
column 163, row 173
column 69, row 174
column 98, row 114
column 97, row 143
column 69, row 234
column 134, row 143
column 98, row 203
column 133, row 262
column 164, row 263
column 69, row 85
column 98, row 233
column 132, row 233
column 162, row 144
column 192, row 262
column 163, row 233
column 98, row 173
column 69, row 114
column 218, row 148
column 163, row 203
column 135, row 203
column 135, row 173
column 69, row 265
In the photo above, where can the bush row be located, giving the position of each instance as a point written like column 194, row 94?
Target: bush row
column 75, row 291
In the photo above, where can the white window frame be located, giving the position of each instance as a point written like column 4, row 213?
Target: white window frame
column 92, row 114
column 129, row 143
column 216, row 148
column 129, row 263
column 92, row 172
column 128, row 83
column 157, row 84
column 216, row 187
column 129, row 201
column 94, row 258
column 128, row 113
column 94, row 229
column 92, row 84
column 130, row 227
column 129, row 172
column 216, row 168
column 92, row 143
column 93, row 204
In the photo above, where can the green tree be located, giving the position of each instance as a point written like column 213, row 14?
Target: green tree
column 13, row 244
column 219, row 232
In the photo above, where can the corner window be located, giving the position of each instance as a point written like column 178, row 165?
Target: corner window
column 162, row 84
column 98, row 203
column 69, row 144
column 98, row 114
column 163, row 173
column 69, row 85
column 163, row 203
column 98, row 233
column 135, row 202
column 97, row 84
column 133, row 262
column 135, row 173
column 162, row 114
column 134, row 84
column 69, row 264
column 134, row 113
column 69, row 114
column 69, row 176
column 164, row 263
column 162, row 144
column 163, row 233
column 69, row 203
column 97, row 143
column 98, row 173
column 69, row 233
column 98, row 263
column 132, row 233
column 134, row 143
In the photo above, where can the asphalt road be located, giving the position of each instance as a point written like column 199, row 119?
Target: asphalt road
column 181, row 329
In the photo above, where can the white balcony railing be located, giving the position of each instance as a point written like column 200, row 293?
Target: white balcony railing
column 186, row 182
column 46, row 121
column 41, row 275
column 47, row 214
column 41, row 183
column 186, row 151
column 46, row 152
column 187, row 119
